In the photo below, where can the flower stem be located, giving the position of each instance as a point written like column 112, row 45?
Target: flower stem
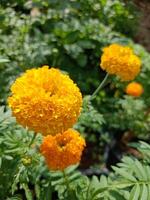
column 32, row 139
column 99, row 87
column 49, row 192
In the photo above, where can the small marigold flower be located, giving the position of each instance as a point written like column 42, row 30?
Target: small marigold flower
column 121, row 61
column 45, row 100
column 134, row 89
column 62, row 150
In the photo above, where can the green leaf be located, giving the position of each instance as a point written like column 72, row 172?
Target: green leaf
column 125, row 174
column 71, row 169
column 116, row 195
column 140, row 171
column 144, row 193
column 103, row 181
column 135, row 192
column 2, row 60
column 37, row 191
column 28, row 193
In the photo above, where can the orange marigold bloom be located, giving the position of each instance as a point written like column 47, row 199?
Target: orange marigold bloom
column 134, row 89
column 45, row 100
column 121, row 61
column 62, row 150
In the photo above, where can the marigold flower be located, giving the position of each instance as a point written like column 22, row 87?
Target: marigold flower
column 45, row 100
column 134, row 89
column 62, row 150
column 121, row 61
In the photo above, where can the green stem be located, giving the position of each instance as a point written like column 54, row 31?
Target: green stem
column 32, row 139
column 49, row 192
column 99, row 87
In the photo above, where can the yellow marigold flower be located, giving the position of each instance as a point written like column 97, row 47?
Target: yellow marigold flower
column 45, row 100
column 62, row 150
column 134, row 89
column 121, row 61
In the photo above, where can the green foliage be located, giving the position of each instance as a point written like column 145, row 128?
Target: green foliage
column 23, row 169
column 20, row 164
column 143, row 78
column 70, row 35
column 130, row 180
column 90, row 119
column 132, row 116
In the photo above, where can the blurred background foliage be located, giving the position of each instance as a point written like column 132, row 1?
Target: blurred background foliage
column 66, row 34
column 70, row 35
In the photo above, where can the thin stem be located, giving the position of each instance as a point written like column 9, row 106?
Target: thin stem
column 99, row 87
column 49, row 192
column 32, row 139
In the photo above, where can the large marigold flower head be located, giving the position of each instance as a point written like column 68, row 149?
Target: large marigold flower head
column 121, row 61
column 134, row 89
column 62, row 150
column 45, row 100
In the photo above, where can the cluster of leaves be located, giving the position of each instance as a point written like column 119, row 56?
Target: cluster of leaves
column 24, row 174
column 22, row 168
column 90, row 119
column 131, row 114
column 129, row 180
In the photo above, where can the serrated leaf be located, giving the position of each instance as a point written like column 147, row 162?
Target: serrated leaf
column 125, row 174
column 140, row 171
column 2, row 60
column 135, row 192
column 37, row 191
column 144, row 193
column 58, row 182
column 95, row 182
column 28, row 193
column 116, row 195
column 8, row 157
column 74, row 176
column 148, row 188
column 103, row 181
column 98, row 191
column 71, row 169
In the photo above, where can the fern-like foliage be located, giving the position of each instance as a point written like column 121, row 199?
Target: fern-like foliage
column 90, row 119
column 129, row 181
column 24, row 175
column 21, row 165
